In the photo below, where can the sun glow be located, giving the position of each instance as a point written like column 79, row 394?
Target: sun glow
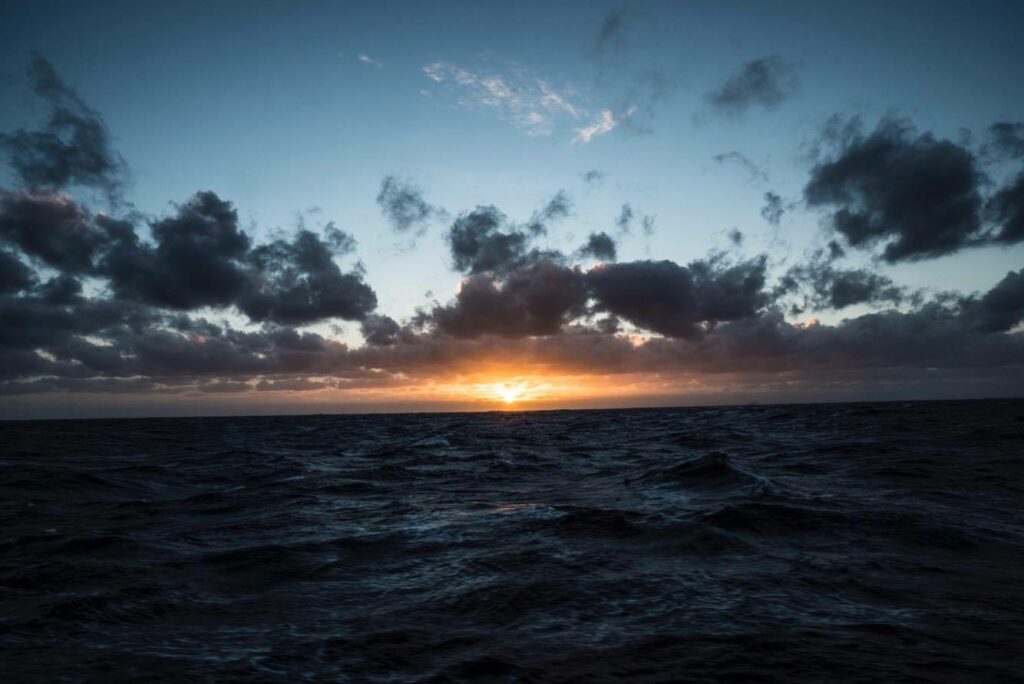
column 510, row 393
column 482, row 386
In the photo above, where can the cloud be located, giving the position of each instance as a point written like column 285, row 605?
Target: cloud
column 477, row 244
column 826, row 287
column 535, row 298
column 366, row 59
column 592, row 177
column 629, row 77
column 675, row 300
column 772, row 210
column 606, row 122
column 380, row 330
column 999, row 309
column 755, row 171
column 197, row 259
column 557, row 208
column 938, row 340
column 599, row 246
column 403, row 205
column 72, row 148
column 612, row 31
column 1006, row 210
column 50, row 229
column 648, row 225
column 92, row 303
column 528, row 102
column 14, row 275
column 1004, row 141
column 624, row 221
column 297, row 282
column 766, row 82
column 912, row 194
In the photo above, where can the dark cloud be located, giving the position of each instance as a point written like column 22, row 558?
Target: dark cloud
column 198, row 257
column 911, row 193
column 599, row 246
column 197, row 260
column 755, row 171
column 772, row 210
column 14, row 275
column 380, row 330
column 825, row 287
column 675, row 300
column 1006, row 210
column 403, row 205
column 624, row 221
column 999, row 309
column 61, row 289
column 298, row 282
column 736, row 237
column 1004, row 141
column 938, row 339
column 40, row 319
column 72, row 148
column 535, row 299
column 592, row 177
column 52, row 229
column 557, row 208
column 478, row 244
column 648, row 225
column 767, row 82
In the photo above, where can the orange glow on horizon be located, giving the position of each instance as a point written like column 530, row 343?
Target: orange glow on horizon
column 500, row 386
column 478, row 385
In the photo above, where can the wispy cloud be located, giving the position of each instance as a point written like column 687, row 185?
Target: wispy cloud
column 528, row 102
column 367, row 59
column 755, row 171
column 606, row 122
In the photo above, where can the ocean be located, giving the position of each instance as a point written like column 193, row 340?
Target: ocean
column 832, row 542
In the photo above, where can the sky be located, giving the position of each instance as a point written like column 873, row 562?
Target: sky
column 278, row 207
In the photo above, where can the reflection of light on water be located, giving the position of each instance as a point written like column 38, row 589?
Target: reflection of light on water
column 533, row 510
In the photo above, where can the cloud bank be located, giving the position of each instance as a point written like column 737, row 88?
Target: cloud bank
column 189, row 303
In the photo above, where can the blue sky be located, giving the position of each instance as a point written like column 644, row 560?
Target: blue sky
column 293, row 110
column 268, row 105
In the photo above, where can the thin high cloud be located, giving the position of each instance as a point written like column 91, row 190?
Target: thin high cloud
column 528, row 102
column 606, row 122
column 366, row 59
column 755, row 172
column 629, row 77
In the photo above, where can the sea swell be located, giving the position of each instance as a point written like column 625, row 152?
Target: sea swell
column 855, row 542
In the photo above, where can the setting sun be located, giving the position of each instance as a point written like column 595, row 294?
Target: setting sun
column 509, row 393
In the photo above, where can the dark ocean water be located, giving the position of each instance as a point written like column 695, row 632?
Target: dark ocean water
column 858, row 542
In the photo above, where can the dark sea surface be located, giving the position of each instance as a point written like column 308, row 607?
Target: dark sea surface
column 853, row 542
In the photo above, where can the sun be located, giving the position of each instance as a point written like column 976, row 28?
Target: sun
column 509, row 394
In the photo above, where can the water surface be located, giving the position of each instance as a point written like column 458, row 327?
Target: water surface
column 867, row 542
